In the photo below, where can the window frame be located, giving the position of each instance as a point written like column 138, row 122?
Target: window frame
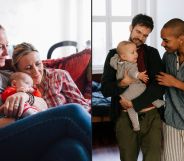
column 137, row 7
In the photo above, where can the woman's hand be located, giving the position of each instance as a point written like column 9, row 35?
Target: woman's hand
column 125, row 103
column 126, row 80
column 14, row 104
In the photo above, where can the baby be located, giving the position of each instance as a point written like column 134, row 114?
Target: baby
column 126, row 60
column 22, row 82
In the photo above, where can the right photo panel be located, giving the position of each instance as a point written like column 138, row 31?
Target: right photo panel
column 137, row 80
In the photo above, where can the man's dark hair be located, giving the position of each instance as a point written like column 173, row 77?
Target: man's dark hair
column 1, row 27
column 142, row 20
column 177, row 26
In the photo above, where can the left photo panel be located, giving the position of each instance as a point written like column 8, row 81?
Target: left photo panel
column 45, row 80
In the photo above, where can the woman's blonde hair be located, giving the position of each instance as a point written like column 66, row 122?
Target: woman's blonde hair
column 21, row 50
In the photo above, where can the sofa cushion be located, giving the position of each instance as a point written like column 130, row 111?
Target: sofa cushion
column 75, row 64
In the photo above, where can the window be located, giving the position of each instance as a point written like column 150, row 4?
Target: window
column 111, row 21
column 46, row 22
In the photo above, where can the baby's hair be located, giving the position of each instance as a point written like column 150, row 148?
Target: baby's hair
column 121, row 44
column 19, row 75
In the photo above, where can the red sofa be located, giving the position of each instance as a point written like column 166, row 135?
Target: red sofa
column 78, row 65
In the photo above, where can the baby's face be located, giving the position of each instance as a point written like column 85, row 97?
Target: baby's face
column 26, row 83
column 129, row 53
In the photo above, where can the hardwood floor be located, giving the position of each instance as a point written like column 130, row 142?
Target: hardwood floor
column 104, row 143
column 108, row 153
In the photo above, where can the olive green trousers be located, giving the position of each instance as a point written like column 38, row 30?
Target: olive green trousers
column 148, row 139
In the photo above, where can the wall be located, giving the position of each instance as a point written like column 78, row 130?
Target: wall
column 46, row 22
column 161, row 11
column 166, row 10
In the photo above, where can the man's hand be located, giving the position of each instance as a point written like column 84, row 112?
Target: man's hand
column 169, row 81
column 125, row 103
column 166, row 79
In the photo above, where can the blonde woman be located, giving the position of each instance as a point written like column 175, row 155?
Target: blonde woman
column 60, row 133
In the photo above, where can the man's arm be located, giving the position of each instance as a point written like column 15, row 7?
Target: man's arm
column 170, row 81
column 153, row 91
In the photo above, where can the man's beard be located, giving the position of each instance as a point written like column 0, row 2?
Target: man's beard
column 137, row 42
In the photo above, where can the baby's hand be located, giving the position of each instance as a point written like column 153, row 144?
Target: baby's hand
column 30, row 89
column 143, row 76
column 21, row 89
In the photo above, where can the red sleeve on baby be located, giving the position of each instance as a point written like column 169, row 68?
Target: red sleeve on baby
column 37, row 92
column 8, row 92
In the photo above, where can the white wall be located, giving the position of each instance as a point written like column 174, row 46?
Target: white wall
column 166, row 10
column 161, row 11
column 46, row 22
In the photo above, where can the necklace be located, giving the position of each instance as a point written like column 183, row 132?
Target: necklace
column 177, row 63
